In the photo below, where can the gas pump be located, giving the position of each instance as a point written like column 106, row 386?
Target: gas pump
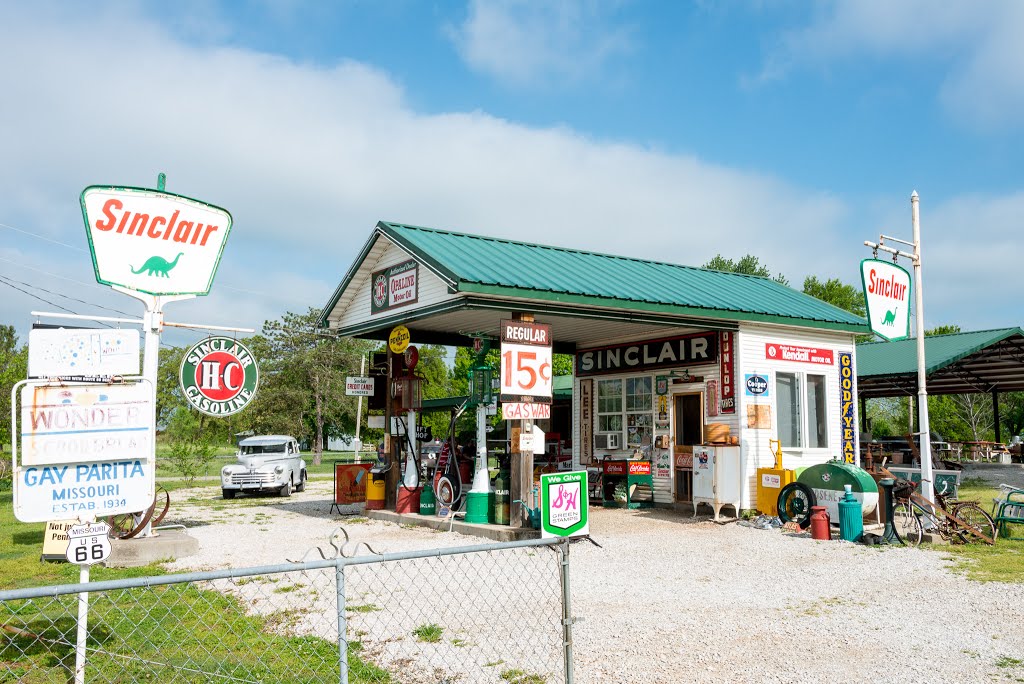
column 406, row 391
column 480, row 499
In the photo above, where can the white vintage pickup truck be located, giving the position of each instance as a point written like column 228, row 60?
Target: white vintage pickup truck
column 265, row 463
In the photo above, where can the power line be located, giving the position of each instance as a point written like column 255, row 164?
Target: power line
column 42, row 237
column 45, row 301
column 60, row 294
column 54, row 275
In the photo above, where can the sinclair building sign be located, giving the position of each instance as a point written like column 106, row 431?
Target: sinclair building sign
column 154, row 242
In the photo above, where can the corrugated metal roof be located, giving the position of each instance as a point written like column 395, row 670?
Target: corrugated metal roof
column 613, row 280
column 897, row 358
column 973, row 362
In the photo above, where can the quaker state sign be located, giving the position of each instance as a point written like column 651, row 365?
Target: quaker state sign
column 219, row 376
column 152, row 241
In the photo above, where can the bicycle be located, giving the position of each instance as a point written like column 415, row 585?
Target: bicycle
column 957, row 522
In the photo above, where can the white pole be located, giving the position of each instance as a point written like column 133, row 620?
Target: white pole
column 359, row 411
column 412, row 477
column 922, row 390
column 83, row 626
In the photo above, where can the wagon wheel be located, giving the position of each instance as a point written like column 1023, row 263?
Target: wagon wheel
column 127, row 525
column 161, row 504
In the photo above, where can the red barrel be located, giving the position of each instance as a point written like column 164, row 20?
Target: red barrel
column 821, row 525
column 466, row 472
column 408, row 500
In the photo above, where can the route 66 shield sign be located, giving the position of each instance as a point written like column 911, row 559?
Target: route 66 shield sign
column 88, row 543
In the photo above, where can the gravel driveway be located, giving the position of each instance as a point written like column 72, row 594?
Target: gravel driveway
column 670, row 599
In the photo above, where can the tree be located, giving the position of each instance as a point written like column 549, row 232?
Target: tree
column 308, row 365
column 942, row 330
column 748, row 265
column 836, row 293
column 13, row 369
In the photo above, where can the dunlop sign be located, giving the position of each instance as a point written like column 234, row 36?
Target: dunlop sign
column 85, row 451
column 153, row 242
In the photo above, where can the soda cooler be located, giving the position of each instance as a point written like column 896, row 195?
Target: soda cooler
column 631, row 478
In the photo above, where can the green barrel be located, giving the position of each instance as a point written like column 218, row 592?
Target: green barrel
column 428, row 504
column 501, row 497
column 851, row 519
column 828, row 480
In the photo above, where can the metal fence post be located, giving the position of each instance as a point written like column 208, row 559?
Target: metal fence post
column 566, row 612
column 339, row 576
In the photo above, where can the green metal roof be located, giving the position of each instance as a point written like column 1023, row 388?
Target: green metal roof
column 561, row 390
column 957, row 363
column 475, row 263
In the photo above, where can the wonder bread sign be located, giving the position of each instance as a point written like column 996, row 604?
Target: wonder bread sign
column 154, row 242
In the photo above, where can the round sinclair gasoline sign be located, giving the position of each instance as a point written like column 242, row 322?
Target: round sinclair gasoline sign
column 219, row 376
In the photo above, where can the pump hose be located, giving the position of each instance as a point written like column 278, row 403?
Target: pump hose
column 452, row 465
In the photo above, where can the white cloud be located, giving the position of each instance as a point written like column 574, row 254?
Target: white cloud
column 308, row 159
column 525, row 42
column 978, row 46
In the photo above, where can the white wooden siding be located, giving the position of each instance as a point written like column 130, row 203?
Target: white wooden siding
column 432, row 290
column 751, row 358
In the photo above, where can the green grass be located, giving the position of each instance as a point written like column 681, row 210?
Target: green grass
column 1003, row 562
column 362, row 608
column 430, row 633
column 226, row 455
column 516, row 676
column 166, row 624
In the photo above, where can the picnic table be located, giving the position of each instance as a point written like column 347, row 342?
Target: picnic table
column 983, row 450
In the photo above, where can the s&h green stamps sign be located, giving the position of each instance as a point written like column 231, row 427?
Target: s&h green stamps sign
column 219, row 376
column 564, row 505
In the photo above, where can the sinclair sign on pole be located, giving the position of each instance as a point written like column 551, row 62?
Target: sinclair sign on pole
column 887, row 295
column 152, row 241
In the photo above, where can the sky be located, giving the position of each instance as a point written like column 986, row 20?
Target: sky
column 672, row 131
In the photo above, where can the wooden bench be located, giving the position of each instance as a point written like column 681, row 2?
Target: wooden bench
column 1008, row 510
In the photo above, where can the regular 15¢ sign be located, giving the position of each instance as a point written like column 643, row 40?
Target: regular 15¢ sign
column 219, row 376
column 525, row 362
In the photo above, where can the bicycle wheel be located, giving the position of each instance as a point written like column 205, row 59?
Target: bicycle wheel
column 907, row 523
column 975, row 516
column 795, row 502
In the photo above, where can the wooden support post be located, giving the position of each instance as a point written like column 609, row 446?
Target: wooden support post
column 521, row 471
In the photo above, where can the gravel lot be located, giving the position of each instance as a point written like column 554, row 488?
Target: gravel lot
column 672, row 599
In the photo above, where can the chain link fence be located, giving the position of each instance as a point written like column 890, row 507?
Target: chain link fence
column 485, row 613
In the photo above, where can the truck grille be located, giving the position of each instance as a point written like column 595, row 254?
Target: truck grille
column 252, row 478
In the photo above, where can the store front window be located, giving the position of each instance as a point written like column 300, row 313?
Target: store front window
column 627, row 404
column 802, row 415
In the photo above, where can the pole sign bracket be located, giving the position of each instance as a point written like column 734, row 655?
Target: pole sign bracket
column 887, row 291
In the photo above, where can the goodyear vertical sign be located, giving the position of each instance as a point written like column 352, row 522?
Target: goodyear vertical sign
column 847, row 412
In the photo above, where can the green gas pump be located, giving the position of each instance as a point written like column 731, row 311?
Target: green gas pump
column 480, row 498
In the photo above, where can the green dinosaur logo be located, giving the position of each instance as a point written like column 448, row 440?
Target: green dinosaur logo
column 157, row 266
column 890, row 318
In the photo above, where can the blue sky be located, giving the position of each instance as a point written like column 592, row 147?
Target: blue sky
column 790, row 130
